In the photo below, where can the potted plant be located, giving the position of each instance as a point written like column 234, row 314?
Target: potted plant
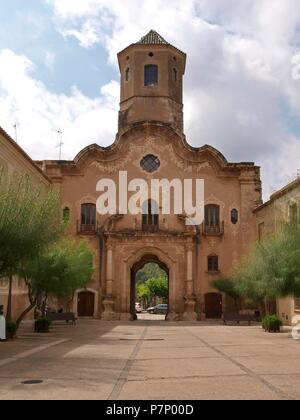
column 11, row 330
column 272, row 324
column 42, row 325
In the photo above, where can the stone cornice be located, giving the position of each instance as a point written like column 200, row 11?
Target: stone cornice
column 158, row 235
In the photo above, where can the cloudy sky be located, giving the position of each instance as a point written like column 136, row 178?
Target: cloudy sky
column 58, row 70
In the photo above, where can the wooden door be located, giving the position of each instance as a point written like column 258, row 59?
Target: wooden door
column 86, row 304
column 213, row 306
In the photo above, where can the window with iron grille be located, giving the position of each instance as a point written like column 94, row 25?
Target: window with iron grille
column 150, row 217
column 150, row 163
column 213, row 263
column 88, row 214
column 151, row 75
column 212, row 215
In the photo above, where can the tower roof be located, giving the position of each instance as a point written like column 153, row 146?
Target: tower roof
column 153, row 38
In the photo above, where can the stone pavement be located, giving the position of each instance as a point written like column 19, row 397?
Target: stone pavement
column 150, row 360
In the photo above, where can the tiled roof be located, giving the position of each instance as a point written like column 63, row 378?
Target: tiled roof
column 153, row 38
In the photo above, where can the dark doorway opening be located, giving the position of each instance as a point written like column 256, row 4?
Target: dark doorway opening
column 86, row 304
column 149, row 289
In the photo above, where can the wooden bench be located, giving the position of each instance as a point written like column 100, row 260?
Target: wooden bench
column 65, row 317
column 241, row 318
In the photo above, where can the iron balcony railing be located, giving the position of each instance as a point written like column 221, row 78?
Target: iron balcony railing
column 213, row 230
column 86, row 229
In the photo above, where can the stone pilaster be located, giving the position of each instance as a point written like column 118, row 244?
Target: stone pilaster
column 108, row 302
column 190, row 298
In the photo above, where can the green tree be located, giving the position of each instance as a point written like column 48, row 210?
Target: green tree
column 29, row 222
column 144, row 294
column 227, row 286
column 272, row 268
column 158, row 288
column 58, row 272
column 150, row 271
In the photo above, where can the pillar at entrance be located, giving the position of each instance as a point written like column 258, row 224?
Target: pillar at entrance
column 109, row 301
column 190, row 298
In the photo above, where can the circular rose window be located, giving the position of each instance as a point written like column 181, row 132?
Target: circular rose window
column 150, row 163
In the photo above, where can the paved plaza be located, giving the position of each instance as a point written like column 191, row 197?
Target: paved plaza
column 150, row 360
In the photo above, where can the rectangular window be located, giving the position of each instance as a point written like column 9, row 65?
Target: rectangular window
column 175, row 75
column 212, row 215
column 150, row 217
column 151, row 75
column 213, row 264
column 297, row 304
column 88, row 214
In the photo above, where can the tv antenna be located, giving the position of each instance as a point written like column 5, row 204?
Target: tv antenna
column 15, row 126
column 60, row 144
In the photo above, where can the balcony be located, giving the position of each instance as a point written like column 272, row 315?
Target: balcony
column 86, row 229
column 150, row 228
column 215, row 230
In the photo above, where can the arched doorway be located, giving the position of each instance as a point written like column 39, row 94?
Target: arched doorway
column 146, row 260
column 86, row 304
column 213, row 306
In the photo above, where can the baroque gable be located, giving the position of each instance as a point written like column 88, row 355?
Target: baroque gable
column 162, row 141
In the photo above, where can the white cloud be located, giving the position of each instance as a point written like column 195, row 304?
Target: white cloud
column 239, row 74
column 39, row 112
column 87, row 35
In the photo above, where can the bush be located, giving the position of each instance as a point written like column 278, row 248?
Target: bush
column 42, row 324
column 46, row 319
column 272, row 323
column 11, row 329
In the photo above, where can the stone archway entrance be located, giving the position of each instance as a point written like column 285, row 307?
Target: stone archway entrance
column 176, row 257
column 146, row 259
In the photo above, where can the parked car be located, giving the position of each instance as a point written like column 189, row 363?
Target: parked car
column 158, row 309
column 138, row 308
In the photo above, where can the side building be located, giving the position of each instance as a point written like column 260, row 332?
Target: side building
column 13, row 159
column 283, row 206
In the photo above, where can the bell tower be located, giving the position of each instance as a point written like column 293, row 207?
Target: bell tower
column 152, row 73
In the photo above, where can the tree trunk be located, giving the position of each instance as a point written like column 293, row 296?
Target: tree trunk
column 9, row 299
column 263, row 309
column 22, row 316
